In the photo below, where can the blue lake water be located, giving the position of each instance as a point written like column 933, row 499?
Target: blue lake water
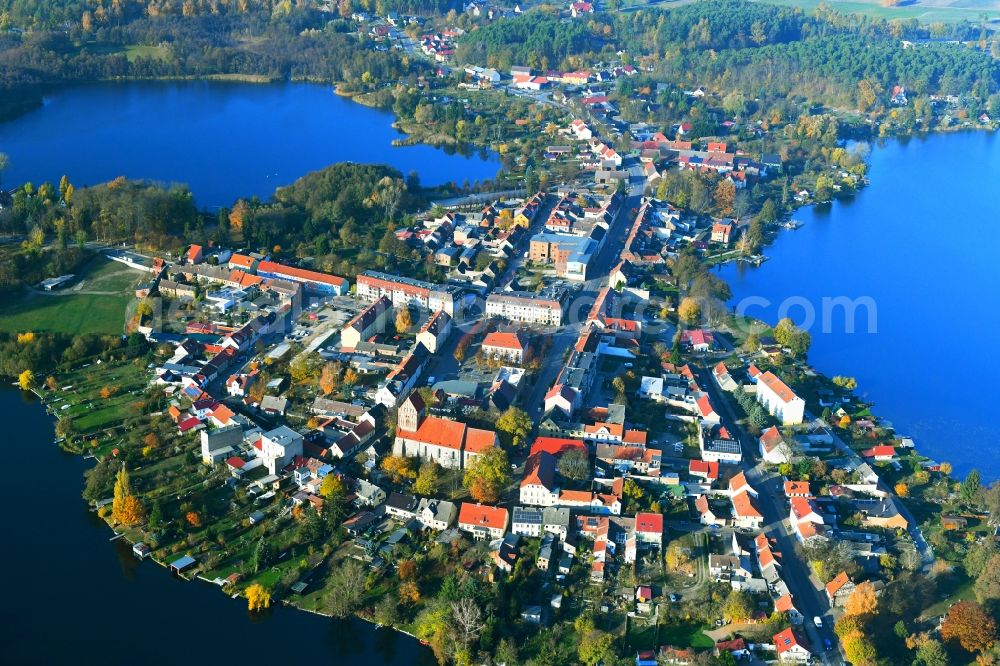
column 225, row 140
column 71, row 597
column 921, row 243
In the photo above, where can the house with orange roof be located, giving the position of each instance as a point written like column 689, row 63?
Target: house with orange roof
column 806, row 522
column 773, row 447
column 797, row 489
column 221, row 416
column 451, row 444
column 839, row 589
column 791, row 647
column 482, row 521
column 705, row 513
column 786, row 604
column 242, row 262
column 503, row 346
column 706, row 412
column 779, row 400
column 194, row 255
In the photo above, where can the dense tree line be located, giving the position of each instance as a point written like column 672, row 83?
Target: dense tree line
column 534, row 39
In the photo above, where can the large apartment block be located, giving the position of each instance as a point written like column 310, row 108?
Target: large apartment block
column 373, row 285
column 527, row 307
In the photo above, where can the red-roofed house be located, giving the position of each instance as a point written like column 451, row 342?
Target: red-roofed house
column 773, row 448
column 786, row 604
column 482, row 521
column 708, row 470
column 698, row 339
column 839, row 589
column 881, row 453
column 315, row 281
column 791, row 647
column 706, row 411
column 557, row 445
column 449, row 443
column 649, row 528
column 538, row 486
column 806, row 522
column 504, row 347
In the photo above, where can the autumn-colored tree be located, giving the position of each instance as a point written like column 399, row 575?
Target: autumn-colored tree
column 516, row 423
column 350, row 377
column 398, row 467
column 725, row 196
column 25, row 338
column 739, row 607
column 862, row 600
column 329, row 379
column 488, row 475
column 193, row 518
column 845, row 421
column 50, row 383
column 151, row 440
column 409, row 592
column 404, row 321
column 332, row 487
column 238, row 215
column 860, row 650
column 689, row 310
column 902, row 489
column 26, row 380
column 126, row 507
column 407, row 570
column 427, row 478
column 970, row 625
column 105, row 392
column 258, row 597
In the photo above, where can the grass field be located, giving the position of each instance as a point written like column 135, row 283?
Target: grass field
column 943, row 11
column 95, row 304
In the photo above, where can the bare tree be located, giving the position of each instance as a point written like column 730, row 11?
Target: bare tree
column 347, row 584
column 468, row 619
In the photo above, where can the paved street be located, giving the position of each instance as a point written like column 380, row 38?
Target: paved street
column 808, row 592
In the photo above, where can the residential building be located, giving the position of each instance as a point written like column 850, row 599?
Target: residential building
column 501, row 346
column 569, row 253
column 649, row 529
column 481, row 521
column 401, row 505
column 717, row 445
column 279, row 447
column 839, row 589
column 779, row 400
column 791, row 647
column 527, row 521
column 527, row 307
column 373, row 285
column 313, row 281
column 436, row 514
column 218, row 444
column 435, row 332
column 538, row 486
column 556, row 520
column 367, row 323
column 773, row 447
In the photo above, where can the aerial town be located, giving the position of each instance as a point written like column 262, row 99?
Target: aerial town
column 518, row 420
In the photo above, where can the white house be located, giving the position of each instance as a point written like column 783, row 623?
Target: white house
column 279, row 447
column 779, row 400
column 773, row 447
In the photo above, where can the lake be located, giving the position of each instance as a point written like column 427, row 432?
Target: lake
column 919, row 242
column 225, row 140
column 70, row 596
